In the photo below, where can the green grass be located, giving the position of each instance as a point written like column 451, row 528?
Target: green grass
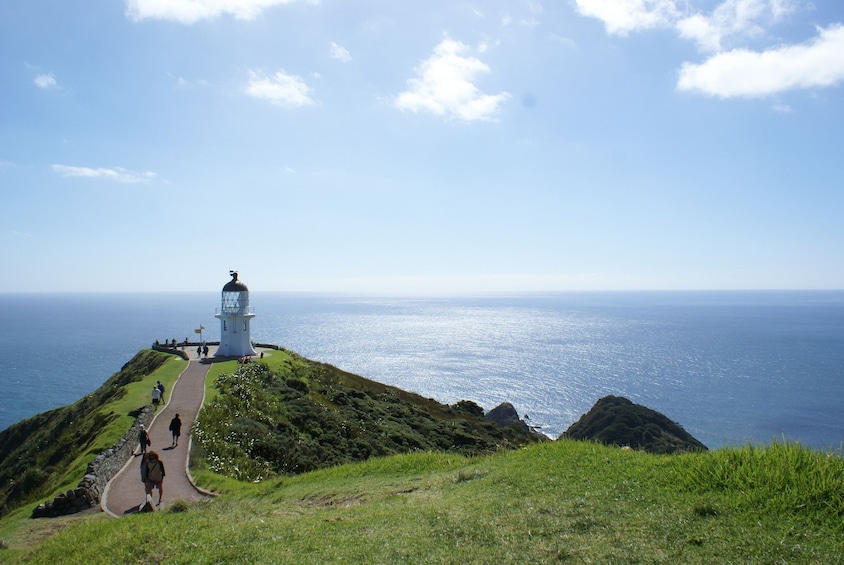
column 565, row 501
column 112, row 404
column 49, row 452
column 295, row 415
column 137, row 394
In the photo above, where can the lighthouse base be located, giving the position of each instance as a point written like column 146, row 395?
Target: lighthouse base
column 235, row 340
column 229, row 351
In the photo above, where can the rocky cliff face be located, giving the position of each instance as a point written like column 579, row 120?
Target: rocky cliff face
column 505, row 415
column 617, row 421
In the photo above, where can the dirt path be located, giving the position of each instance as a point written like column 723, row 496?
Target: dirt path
column 125, row 493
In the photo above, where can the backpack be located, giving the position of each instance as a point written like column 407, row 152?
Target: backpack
column 156, row 472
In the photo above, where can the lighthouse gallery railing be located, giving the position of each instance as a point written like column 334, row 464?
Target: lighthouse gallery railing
column 235, row 311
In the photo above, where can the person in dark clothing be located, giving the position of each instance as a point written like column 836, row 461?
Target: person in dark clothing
column 175, row 429
column 143, row 439
column 152, row 473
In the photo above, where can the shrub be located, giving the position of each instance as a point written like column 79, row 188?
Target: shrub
column 469, row 407
column 178, row 505
column 264, row 423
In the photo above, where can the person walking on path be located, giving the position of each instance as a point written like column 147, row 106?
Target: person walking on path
column 121, row 496
column 152, row 472
column 175, row 429
column 143, row 439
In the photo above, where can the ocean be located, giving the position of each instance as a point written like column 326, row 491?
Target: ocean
column 731, row 367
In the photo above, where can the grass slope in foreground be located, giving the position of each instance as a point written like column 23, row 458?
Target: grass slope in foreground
column 563, row 501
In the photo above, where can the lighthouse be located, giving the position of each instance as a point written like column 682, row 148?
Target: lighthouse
column 234, row 314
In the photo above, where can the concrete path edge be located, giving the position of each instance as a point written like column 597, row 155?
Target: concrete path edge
column 104, row 498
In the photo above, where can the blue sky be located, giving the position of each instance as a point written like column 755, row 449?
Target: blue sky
column 421, row 147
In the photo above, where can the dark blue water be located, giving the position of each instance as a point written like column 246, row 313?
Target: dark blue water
column 731, row 367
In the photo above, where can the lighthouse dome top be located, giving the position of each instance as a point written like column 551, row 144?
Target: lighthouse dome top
column 235, row 285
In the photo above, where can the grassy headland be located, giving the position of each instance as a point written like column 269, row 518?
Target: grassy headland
column 49, row 452
column 289, row 415
column 565, row 500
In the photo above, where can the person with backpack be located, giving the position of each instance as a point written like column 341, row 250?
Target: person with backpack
column 152, row 473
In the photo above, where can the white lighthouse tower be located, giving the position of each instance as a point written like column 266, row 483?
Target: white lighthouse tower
column 234, row 314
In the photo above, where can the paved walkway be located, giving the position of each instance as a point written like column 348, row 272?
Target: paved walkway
column 125, row 493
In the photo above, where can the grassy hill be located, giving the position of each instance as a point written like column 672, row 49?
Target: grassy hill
column 289, row 415
column 49, row 452
column 617, row 421
column 549, row 501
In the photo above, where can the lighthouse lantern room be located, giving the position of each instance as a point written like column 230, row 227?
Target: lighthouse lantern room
column 235, row 314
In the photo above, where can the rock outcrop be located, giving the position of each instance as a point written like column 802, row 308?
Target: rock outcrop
column 617, row 421
column 505, row 415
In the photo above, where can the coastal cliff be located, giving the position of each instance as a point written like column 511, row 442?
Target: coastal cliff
column 38, row 454
column 289, row 415
column 614, row 420
column 548, row 501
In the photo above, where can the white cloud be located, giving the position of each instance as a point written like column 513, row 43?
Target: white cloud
column 488, row 44
column 700, row 29
column 191, row 11
column 733, row 21
column 340, row 53
column 46, row 81
column 444, row 86
column 735, row 70
column 117, row 174
column 566, row 42
column 750, row 74
column 729, row 22
column 183, row 83
column 620, row 17
column 283, row 90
